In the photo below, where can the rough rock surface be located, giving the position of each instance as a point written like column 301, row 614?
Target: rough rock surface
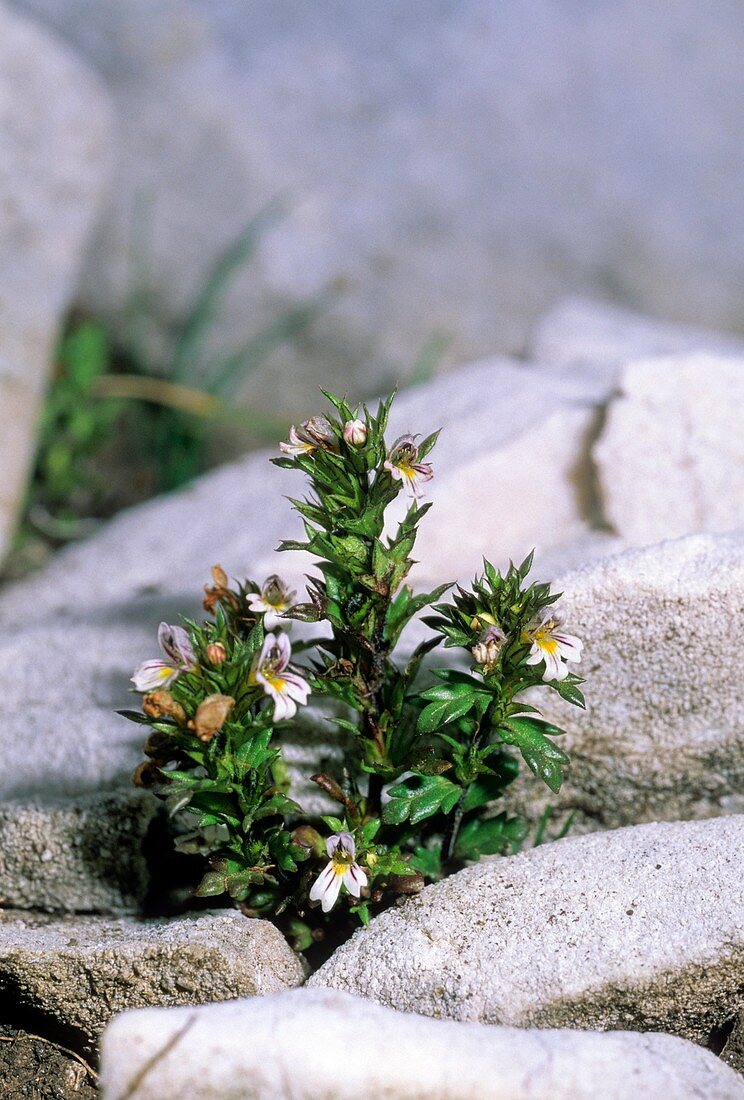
column 661, row 737
column 53, row 164
column 82, row 855
column 81, row 971
column 449, row 178
column 635, row 928
column 594, row 339
column 322, row 1044
column 670, row 456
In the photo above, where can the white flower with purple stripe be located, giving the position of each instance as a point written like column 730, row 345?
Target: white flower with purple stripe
column 272, row 601
column 343, row 870
column 270, row 670
column 179, row 653
column 551, row 644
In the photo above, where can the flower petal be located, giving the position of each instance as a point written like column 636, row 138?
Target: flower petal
column 176, row 644
column 154, row 674
column 354, row 880
column 343, row 842
column 326, row 888
column 297, row 687
column 570, row 646
column 284, row 706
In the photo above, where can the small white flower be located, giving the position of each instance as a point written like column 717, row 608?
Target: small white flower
column 553, row 646
column 403, row 464
column 311, row 434
column 269, row 669
column 176, row 645
column 273, row 600
column 342, row 870
column 355, row 433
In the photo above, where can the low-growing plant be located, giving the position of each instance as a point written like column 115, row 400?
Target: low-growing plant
column 428, row 752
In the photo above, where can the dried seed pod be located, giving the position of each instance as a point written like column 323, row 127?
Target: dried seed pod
column 161, row 704
column 211, row 715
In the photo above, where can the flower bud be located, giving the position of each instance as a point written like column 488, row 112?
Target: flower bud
column 161, row 704
column 216, row 653
column 355, row 433
column 211, row 715
column 487, row 648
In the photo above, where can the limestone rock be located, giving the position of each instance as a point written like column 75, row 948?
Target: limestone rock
column 82, row 855
column 593, row 339
column 435, row 209
column 494, row 493
column 322, row 1044
column 81, row 971
column 670, row 456
column 661, row 738
column 53, row 164
column 635, row 928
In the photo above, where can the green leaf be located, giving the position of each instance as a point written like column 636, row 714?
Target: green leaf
column 451, row 700
column 540, row 754
column 568, row 691
column 484, row 789
column 428, row 861
column 495, row 836
column 212, row 884
column 420, row 797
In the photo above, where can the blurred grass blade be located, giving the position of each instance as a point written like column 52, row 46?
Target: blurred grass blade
column 427, row 361
column 189, row 400
column 224, row 375
column 137, row 387
column 203, row 313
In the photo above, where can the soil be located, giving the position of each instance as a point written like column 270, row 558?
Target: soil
column 33, row 1068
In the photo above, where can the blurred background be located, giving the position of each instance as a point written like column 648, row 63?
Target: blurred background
column 208, row 208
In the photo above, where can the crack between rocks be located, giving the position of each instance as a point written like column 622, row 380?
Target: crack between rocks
column 58, row 1046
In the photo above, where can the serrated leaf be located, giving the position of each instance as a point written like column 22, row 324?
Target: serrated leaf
column 420, row 797
column 540, row 754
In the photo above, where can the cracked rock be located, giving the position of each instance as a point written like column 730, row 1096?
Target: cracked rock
column 637, row 928
column 670, row 457
column 661, row 738
column 81, row 971
column 326, row 1045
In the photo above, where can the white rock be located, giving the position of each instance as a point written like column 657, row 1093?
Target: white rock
column 661, row 738
column 450, row 179
column 670, row 456
column 81, row 971
column 594, row 339
column 83, row 855
column 53, row 164
column 633, row 928
column 511, row 466
column 325, row 1045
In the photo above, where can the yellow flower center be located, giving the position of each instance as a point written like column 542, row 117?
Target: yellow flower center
column 545, row 640
column 341, row 862
column 277, row 682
